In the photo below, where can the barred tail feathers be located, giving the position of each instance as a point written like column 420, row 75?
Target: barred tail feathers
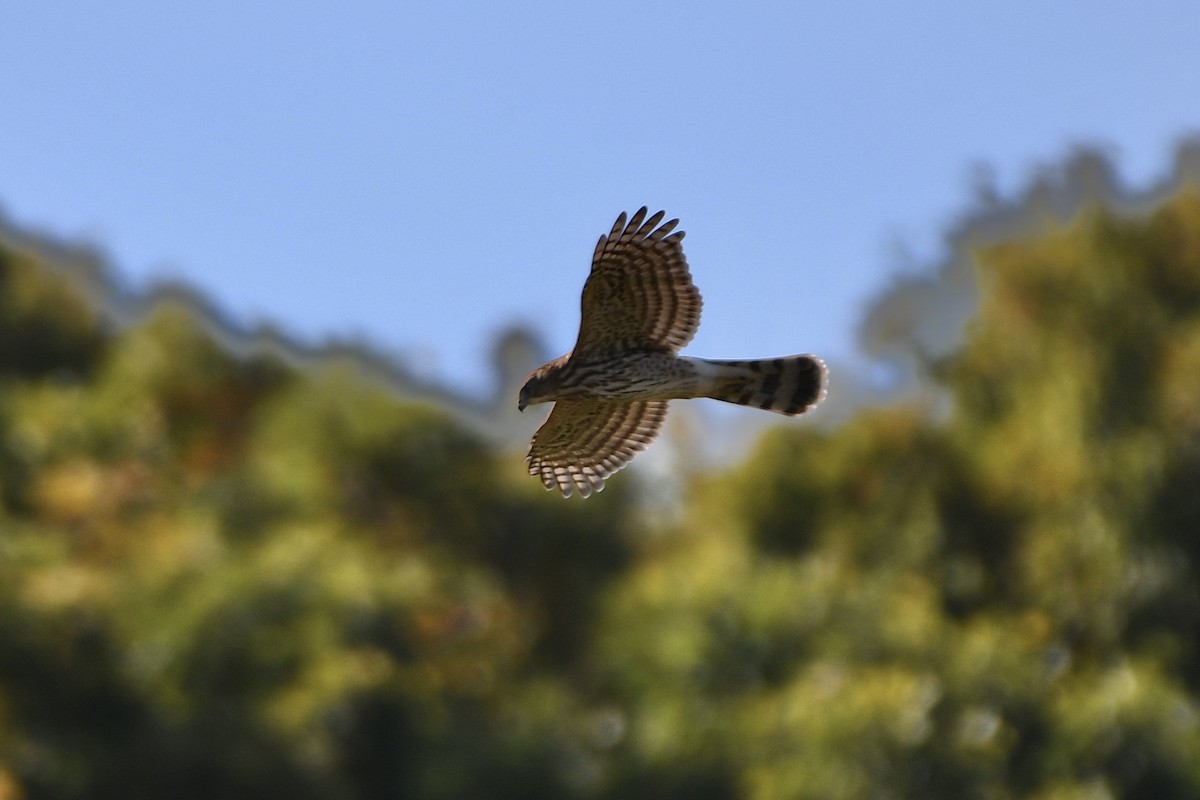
column 790, row 385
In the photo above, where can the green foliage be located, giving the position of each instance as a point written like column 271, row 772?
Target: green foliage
column 220, row 577
column 1001, row 605
column 44, row 326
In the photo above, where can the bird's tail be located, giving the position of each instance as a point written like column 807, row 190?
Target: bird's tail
column 789, row 385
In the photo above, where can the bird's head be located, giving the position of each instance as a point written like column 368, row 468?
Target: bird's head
column 541, row 385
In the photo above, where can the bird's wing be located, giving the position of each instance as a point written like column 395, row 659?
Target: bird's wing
column 639, row 294
column 583, row 442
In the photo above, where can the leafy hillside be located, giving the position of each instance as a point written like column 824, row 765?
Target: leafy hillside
column 225, row 578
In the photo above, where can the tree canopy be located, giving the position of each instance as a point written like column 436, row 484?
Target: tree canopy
column 225, row 577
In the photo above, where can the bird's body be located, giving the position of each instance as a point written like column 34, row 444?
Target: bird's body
column 777, row 384
column 636, row 375
column 611, row 391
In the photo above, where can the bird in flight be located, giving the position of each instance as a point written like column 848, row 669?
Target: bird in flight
column 610, row 393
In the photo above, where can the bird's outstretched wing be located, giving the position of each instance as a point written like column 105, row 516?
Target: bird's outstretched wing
column 639, row 294
column 583, row 442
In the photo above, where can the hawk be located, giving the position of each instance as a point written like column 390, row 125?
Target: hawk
column 610, row 393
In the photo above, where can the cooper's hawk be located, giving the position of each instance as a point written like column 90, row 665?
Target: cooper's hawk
column 610, row 392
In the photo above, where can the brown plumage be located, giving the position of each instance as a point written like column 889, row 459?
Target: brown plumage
column 610, row 392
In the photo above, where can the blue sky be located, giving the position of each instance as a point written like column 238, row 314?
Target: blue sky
column 424, row 174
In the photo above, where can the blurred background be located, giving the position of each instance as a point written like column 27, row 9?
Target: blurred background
column 271, row 274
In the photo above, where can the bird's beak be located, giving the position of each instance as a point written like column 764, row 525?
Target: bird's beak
column 520, row 405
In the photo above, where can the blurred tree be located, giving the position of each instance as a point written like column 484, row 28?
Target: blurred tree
column 221, row 577
column 45, row 327
column 1005, row 603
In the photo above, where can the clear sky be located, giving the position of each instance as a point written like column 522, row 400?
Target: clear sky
column 422, row 174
